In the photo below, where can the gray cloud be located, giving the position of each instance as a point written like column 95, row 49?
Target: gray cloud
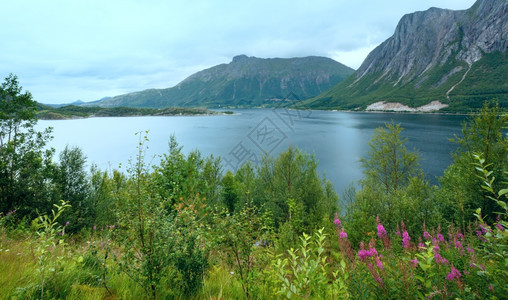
column 68, row 50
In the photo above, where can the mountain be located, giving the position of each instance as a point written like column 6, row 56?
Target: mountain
column 77, row 103
column 456, row 57
column 246, row 81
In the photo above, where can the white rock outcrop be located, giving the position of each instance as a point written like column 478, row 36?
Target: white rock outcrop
column 399, row 107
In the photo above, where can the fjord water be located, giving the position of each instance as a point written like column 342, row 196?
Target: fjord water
column 337, row 139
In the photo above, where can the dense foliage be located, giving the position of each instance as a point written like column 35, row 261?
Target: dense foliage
column 186, row 229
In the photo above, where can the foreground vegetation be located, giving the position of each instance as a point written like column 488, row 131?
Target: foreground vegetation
column 187, row 229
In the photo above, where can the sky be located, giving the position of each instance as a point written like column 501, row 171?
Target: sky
column 68, row 50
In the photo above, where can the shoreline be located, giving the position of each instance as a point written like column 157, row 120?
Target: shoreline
column 56, row 116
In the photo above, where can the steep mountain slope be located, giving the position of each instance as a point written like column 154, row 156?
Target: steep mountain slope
column 456, row 57
column 246, row 81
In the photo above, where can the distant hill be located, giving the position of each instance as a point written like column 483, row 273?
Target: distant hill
column 456, row 57
column 46, row 112
column 245, row 82
column 77, row 102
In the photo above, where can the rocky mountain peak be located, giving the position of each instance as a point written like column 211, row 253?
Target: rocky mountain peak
column 425, row 39
column 240, row 58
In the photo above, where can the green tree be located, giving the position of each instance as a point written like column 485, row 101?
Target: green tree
column 229, row 192
column 24, row 162
column 393, row 187
column 179, row 176
column 141, row 214
column 100, row 195
column 461, row 193
column 163, row 232
column 290, row 188
column 388, row 163
column 74, row 188
column 240, row 236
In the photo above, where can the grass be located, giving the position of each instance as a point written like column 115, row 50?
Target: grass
column 16, row 265
column 79, row 280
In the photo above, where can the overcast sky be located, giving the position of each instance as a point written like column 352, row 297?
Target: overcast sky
column 67, row 50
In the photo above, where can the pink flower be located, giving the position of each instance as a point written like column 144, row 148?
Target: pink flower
column 363, row 254
column 440, row 237
column 343, row 235
column 379, row 263
column 458, row 246
column 381, row 230
column 337, row 222
column 426, row 235
column 405, row 239
column 500, row 227
column 95, row 227
column 414, row 263
column 454, row 273
column 439, row 259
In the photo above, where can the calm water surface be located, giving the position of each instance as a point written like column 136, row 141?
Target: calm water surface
column 338, row 139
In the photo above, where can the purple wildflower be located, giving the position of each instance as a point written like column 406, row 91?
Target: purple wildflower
column 379, row 263
column 67, row 223
column 95, row 227
column 343, row 235
column 500, row 227
column 483, row 228
column 458, row 246
column 479, row 234
column 337, row 222
column 380, row 230
column 454, row 273
column 426, row 235
column 405, row 239
column 439, row 259
column 363, row 254
column 440, row 237
column 414, row 263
